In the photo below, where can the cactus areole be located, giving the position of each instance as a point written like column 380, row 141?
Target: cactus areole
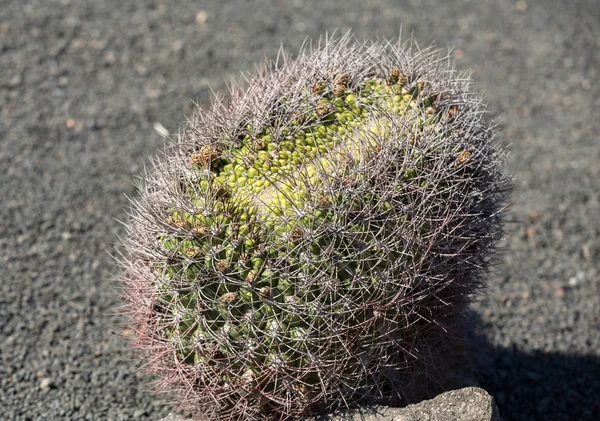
column 310, row 241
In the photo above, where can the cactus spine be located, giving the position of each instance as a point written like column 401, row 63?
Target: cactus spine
column 310, row 242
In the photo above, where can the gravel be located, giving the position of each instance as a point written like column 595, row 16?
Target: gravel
column 87, row 86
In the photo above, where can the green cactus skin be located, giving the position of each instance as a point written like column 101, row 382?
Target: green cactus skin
column 311, row 243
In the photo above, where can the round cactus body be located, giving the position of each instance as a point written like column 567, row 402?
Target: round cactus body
column 312, row 241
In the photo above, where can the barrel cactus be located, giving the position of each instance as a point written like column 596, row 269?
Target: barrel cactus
column 311, row 240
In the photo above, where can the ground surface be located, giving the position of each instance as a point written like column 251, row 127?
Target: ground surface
column 83, row 82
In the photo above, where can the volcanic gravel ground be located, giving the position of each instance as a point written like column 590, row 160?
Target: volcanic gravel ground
column 83, row 83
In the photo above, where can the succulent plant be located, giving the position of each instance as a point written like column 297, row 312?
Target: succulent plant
column 311, row 240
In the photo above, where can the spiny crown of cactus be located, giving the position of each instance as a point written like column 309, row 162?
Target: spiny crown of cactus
column 310, row 242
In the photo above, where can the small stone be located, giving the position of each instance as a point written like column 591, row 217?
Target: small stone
column 110, row 58
column 46, row 384
column 533, row 217
column 76, row 44
column 152, row 93
column 70, row 123
column 22, row 238
column 140, row 69
column 177, row 45
column 585, row 250
column 139, row 413
column 201, row 17
column 521, row 6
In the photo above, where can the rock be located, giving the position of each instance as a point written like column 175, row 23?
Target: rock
column 46, row 384
column 468, row 404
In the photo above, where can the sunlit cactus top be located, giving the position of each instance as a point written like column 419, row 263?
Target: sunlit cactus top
column 309, row 241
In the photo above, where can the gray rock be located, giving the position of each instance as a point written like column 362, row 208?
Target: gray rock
column 468, row 404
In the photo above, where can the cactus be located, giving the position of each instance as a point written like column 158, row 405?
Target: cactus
column 311, row 241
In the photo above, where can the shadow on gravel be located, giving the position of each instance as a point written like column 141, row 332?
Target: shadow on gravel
column 536, row 385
